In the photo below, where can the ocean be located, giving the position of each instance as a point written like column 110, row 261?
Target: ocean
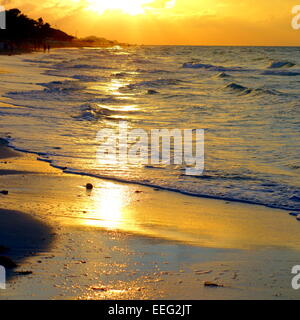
column 246, row 99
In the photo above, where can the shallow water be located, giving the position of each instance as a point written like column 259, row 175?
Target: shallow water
column 246, row 99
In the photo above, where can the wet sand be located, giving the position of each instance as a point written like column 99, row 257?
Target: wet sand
column 123, row 241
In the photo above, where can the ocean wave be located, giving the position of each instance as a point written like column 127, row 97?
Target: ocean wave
column 88, row 66
column 234, row 177
column 84, row 66
column 55, row 90
column 235, row 87
column 87, row 78
column 152, row 71
column 111, row 100
column 62, row 86
column 38, row 61
column 281, row 64
column 223, row 75
column 93, row 111
column 121, row 75
column 152, row 84
column 210, row 67
column 281, row 73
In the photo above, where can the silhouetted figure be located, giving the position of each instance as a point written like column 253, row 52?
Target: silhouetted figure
column 48, row 47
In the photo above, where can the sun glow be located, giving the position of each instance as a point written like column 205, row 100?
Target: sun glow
column 108, row 214
column 132, row 7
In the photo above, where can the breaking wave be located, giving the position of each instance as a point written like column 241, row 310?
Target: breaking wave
column 281, row 64
column 234, row 87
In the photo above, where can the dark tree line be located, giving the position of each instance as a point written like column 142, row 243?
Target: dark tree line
column 22, row 30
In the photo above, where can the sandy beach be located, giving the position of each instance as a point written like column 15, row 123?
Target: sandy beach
column 149, row 150
column 123, row 241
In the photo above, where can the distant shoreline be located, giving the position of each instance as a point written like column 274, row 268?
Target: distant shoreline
column 24, row 35
column 58, row 45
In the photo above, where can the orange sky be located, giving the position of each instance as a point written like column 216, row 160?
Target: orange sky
column 192, row 22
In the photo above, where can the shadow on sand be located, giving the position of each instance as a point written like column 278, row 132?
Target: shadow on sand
column 21, row 236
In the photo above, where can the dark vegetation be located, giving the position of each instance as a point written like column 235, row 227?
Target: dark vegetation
column 24, row 33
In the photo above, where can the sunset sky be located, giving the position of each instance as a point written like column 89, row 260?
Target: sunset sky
column 192, row 22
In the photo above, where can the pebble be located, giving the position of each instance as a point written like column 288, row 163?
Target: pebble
column 99, row 288
column 212, row 284
column 89, row 186
column 152, row 91
column 199, row 272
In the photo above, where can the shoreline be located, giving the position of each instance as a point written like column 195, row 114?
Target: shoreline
column 105, row 247
column 119, row 180
column 64, row 45
column 12, row 152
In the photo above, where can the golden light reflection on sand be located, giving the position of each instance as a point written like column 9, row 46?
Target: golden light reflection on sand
column 107, row 211
column 205, row 222
column 148, row 212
